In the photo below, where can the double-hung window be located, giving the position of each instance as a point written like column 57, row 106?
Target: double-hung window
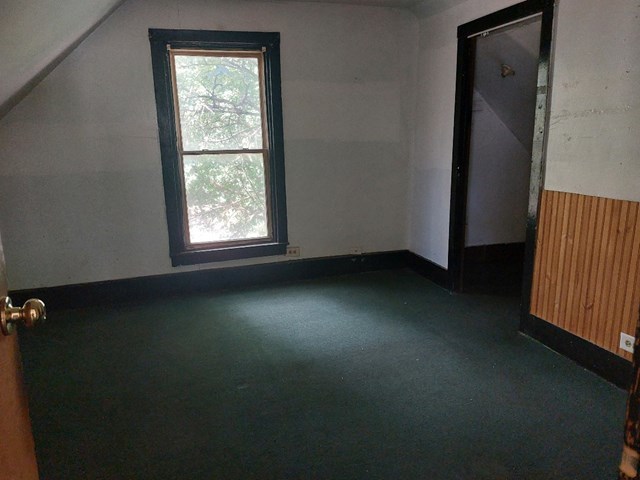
column 220, row 125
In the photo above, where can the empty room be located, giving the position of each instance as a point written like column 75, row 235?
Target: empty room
column 299, row 239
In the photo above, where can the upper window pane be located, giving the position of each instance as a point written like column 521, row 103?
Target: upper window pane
column 219, row 101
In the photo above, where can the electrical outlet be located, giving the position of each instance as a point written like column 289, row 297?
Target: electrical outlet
column 356, row 251
column 627, row 342
column 292, row 252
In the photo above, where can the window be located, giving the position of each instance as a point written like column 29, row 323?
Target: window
column 220, row 125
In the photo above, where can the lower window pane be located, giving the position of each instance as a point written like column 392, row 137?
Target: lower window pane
column 226, row 197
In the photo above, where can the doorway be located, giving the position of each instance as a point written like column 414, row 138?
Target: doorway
column 500, row 130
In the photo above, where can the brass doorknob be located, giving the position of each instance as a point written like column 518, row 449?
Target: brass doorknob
column 33, row 311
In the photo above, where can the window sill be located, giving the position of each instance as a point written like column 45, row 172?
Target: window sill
column 192, row 257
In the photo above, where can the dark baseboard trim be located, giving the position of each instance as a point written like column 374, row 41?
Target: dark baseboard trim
column 430, row 270
column 140, row 289
column 144, row 288
column 501, row 252
column 608, row 365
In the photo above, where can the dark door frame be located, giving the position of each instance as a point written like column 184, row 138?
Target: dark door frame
column 462, row 133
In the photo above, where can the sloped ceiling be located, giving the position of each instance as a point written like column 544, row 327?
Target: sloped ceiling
column 513, row 97
column 35, row 35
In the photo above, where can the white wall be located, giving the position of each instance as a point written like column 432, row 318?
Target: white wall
column 82, row 195
column 498, row 185
column 594, row 137
column 594, row 141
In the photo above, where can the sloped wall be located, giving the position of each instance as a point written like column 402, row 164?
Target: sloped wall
column 498, row 192
column 36, row 34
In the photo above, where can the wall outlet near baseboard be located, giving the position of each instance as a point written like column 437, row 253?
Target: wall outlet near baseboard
column 292, row 252
column 627, row 342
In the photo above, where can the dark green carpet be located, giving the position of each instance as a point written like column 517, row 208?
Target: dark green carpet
column 372, row 376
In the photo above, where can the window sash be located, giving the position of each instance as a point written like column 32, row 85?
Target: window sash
column 259, row 55
column 189, row 245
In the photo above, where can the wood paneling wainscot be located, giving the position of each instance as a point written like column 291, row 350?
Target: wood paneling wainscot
column 587, row 267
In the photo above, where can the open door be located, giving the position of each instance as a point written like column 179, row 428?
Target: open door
column 538, row 13
column 17, row 452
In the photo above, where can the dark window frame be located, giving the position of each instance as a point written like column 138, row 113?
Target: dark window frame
column 180, row 251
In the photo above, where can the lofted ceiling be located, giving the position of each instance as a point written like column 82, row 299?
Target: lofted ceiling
column 35, row 35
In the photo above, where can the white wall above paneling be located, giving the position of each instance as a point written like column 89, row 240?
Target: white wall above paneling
column 594, row 137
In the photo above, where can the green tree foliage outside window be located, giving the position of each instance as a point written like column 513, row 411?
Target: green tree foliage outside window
column 223, row 149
